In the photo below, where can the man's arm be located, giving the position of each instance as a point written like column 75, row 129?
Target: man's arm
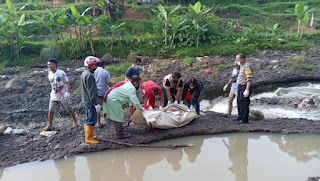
column 161, row 100
column 248, row 85
column 67, row 87
column 168, row 92
column 178, row 93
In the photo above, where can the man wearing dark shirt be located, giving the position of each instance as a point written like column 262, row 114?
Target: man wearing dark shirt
column 134, row 69
column 192, row 87
column 172, row 87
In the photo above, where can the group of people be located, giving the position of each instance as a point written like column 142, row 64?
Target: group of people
column 241, row 80
column 102, row 99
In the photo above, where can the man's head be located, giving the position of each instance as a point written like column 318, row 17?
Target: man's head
column 136, row 63
column 135, row 80
column 176, row 76
column 241, row 58
column 102, row 64
column 192, row 83
column 155, row 90
column 52, row 64
column 91, row 62
column 236, row 65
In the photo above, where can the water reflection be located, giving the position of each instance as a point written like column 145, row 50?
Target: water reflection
column 240, row 157
column 66, row 168
column 238, row 154
column 298, row 147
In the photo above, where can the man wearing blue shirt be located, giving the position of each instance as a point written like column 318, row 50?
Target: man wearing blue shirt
column 102, row 77
column 233, row 82
column 134, row 69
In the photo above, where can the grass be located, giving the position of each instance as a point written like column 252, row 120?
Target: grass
column 300, row 64
column 118, row 69
column 188, row 61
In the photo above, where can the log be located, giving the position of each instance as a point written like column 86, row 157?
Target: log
column 173, row 146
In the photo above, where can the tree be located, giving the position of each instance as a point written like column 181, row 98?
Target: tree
column 11, row 25
column 302, row 13
column 197, row 15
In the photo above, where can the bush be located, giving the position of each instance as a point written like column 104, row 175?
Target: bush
column 300, row 64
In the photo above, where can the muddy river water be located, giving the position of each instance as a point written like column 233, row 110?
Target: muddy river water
column 237, row 156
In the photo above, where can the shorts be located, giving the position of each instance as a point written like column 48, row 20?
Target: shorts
column 139, row 95
column 100, row 100
column 54, row 106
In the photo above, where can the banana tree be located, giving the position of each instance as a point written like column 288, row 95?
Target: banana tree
column 114, row 29
column 176, row 27
column 302, row 13
column 197, row 15
column 83, row 20
column 11, row 25
column 274, row 31
column 165, row 18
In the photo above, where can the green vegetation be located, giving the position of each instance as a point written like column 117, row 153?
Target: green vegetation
column 118, row 69
column 300, row 64
column 32, row 31
column 188, row 61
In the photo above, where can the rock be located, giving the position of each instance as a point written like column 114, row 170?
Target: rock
column 18, row 131
column 107, row 58
column 256, row 115
column 16, row 84
column 284, row 131
column 57, row 147
column 132, row 56
column 307, row 104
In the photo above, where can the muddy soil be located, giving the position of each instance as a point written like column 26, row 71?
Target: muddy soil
column 27, row 107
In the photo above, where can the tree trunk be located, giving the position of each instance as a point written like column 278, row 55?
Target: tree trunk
column 165, row 36
column 106, row 8
column 62, row 38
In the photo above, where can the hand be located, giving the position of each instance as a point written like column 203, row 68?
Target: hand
column 181, row 102
column 225, row 87
column 142, row 109
column 246, row 93
column 191, row 108
column 160, row 108
column 175, row 102
column 169, row 102
column 98, row 107
column 67, row 95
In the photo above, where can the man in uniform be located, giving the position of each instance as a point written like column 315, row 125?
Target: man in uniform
column 244, row 81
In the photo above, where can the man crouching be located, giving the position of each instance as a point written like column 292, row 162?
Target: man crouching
column 118, row 97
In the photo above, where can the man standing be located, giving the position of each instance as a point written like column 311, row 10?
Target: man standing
column 89, row 97
column 102, row 77
column 134, row 69
column 151, row 90
column 60, row 92
column 124, row 93
column 233, row 82
column 172, row 87
column 193, row 86
column 244, row 89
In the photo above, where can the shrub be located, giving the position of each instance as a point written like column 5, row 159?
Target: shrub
column 188, row 61
column 300, row 64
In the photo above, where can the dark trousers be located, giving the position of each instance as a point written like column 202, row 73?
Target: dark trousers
column 173, row 93
column 243, row 103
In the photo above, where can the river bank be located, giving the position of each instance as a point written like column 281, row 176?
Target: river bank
column 25, row 104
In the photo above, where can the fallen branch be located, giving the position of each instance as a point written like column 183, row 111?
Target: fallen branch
column 146, row 146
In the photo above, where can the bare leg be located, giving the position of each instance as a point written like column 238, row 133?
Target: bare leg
column 73, row 115
column 100, row 125
column 50, row 118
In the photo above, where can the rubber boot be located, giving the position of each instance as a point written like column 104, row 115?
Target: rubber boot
column 88, row 131
column 119, row 129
